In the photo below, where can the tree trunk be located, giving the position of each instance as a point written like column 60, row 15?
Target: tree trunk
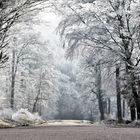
column 13, row 81
column 129, row 72
column 105, row 107
column 99, row 91
column 123, row 108
column 36, row 101
column 135, row 95
column 40, row 111
column 38, row 94
column 133, row 112
column 109, row 106
column 138, row 107
column 91, row 115
column 119, row 111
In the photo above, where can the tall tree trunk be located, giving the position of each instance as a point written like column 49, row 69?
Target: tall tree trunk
column 138, row 112
column 91, row 115
column 135, row 95
column 13, row 81
column 40, row 109
column 38, row 94
column 35, row 103
column 138, row 108
column 109, row 106
column 119, row 111
column 105, row 107
column 131, row 83
column 123, row 108
column 133, row 112
column 99, row 91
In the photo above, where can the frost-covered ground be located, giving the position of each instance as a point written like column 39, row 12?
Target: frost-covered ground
column 21, row 117
column 70, row 133
column 60, row 129
column 67, row 122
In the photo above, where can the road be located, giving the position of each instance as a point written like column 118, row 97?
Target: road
column 70, row 133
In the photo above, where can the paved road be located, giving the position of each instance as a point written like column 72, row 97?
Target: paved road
column 70, row 133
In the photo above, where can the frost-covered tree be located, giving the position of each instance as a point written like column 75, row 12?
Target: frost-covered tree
column 91, row 83
column 30, row 79
column 12, row 12
column 107, row 25
column 68, row 105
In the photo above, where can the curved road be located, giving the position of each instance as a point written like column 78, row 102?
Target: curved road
column 70, row 133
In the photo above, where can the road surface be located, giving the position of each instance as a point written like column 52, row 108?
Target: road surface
column 70, row 133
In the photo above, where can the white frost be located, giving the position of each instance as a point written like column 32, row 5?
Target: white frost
column 23, row 116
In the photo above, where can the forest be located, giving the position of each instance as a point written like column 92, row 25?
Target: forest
column 70, row 59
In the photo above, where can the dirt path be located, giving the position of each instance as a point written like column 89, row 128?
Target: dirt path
column 70, row 133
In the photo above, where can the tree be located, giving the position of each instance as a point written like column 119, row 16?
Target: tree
column 119, row 109
column 31, row 59
column 11, row 11
column 91, row 81
column 107, row 25
column 67, row 104
column 99, row 90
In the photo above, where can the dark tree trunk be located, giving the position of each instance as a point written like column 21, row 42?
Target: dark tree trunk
column 138, row 107
column 105, row 107
column 131, row 82
column 123, row 108
column 109, row 106
column 13, row 81
column 36, row 101
column 91, row 115
column 133, row 112
column 135, row 95
column 101, row 108
column 99, row 91
column 119, row 111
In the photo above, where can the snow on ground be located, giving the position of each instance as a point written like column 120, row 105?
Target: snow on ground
column 23, row 116
column 66, row 122
column 4, row 124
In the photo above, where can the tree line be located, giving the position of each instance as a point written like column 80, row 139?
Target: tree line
column 105, row 35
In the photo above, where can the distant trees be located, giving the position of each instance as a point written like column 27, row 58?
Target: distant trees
column 68, row 106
